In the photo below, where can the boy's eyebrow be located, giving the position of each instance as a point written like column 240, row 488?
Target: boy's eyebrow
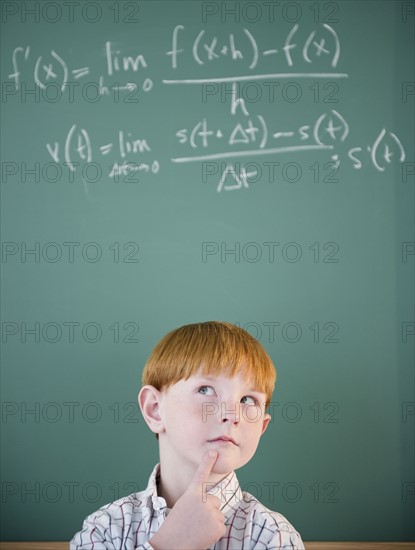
column 214, row 379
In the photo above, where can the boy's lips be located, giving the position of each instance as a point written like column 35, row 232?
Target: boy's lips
column 224, row 439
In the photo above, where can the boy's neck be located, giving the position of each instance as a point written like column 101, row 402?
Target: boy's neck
column 172, row 483
column 162, row 492
column 174, row 480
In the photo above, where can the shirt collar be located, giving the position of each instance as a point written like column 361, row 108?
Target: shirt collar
column 227, row 490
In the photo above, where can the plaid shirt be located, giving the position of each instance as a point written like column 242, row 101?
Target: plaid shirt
column 128, row 523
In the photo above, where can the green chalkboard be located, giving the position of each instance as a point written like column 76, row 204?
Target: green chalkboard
column 169, row 162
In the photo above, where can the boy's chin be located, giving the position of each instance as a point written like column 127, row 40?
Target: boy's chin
column 224, row 465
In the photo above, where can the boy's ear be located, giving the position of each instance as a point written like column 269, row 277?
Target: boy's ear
column 265, row 422
column 149, row 400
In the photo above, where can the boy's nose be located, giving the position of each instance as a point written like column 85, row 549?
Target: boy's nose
column 230, row 412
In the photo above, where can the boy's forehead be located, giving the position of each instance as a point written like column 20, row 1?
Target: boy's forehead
column 237, row 378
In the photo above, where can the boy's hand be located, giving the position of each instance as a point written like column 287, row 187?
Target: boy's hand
column 195, row 521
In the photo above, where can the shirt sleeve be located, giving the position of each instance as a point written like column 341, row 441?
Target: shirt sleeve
column 285, row 540
column 93, row 535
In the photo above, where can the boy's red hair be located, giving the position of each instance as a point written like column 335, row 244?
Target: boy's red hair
column 217, row 348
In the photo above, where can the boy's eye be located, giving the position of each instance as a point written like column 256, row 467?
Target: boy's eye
column 255, row 402
column 203, row 388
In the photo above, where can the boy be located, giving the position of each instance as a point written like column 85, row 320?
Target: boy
column 205, row 388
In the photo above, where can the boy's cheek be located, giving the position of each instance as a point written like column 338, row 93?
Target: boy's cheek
column 206, row 411
column 253, row 414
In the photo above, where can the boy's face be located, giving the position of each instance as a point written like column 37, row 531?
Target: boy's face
column 197, row 411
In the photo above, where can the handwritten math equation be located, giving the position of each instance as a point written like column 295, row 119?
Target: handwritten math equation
column 243, row 51
column 205, row 140
column 327, row 132
column 78, row 145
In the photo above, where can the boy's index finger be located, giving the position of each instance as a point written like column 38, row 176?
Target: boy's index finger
column 201, row 476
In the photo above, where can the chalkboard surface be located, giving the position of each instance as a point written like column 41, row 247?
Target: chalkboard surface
column 171, row 162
